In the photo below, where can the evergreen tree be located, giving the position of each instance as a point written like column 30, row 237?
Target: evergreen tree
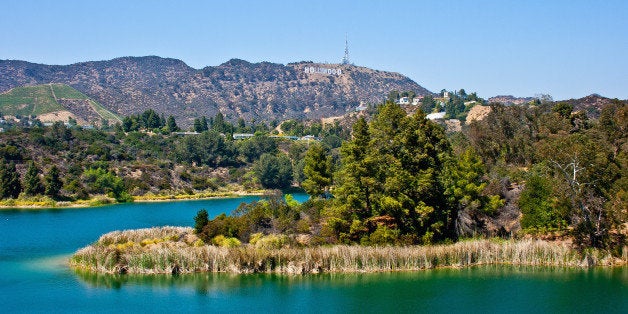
column 274, row 172
column 356, row 177
column 317, row 171
column 200, row 220
column 403, row 162
column 464, row 187
column 32, row 182
column 171, row 124
column 53, row 182
column 10, row 186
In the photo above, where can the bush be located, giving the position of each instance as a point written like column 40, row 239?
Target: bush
column 223, row 241
column 269, row 242
column 383, row 235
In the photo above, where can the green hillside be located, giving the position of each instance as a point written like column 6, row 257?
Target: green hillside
column 42, row 99
column 29, row 100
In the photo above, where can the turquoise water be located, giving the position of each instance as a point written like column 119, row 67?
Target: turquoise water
column 35, row 245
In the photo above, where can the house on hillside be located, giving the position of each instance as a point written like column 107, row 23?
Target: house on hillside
column 436, row 116
column 403, row 101
column 417, row 100
column 242, row 136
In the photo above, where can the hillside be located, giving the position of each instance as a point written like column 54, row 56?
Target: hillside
column 237, row 88
column 53, row 102
column 591, row 104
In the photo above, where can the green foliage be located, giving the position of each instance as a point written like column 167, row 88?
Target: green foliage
column 274, row 172
column 268, row 242
column 32, row 182
column 147, row 120
column 563, row 109
column 200, row 125
column 317, row 170
column 53, row 182
column 383, row 235
column 10, row 186
column 223, row 225
column 537, row 205
column 392, row 168
column 200, row 221
column 208, row 148
column 223, row 241
column 251, row 149
column 171, row 124
column 101, row 181
column 29, row 100
column 465, row 185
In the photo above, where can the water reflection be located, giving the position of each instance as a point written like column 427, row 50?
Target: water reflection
column 206, row 282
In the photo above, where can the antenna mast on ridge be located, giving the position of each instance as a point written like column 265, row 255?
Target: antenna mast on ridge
column 345, row 59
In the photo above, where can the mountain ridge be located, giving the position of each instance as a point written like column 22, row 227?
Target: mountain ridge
column 236, row 88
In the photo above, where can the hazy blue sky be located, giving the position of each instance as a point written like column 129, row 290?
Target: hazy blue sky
column 562, row 48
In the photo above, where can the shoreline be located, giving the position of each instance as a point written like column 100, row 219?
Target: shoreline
column 101, row 200
column 176, row 250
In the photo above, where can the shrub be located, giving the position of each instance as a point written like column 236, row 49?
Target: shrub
column 223, row 241
column 269, row 242
column 383, row 235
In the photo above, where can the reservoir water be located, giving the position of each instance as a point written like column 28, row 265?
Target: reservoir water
column 35, row 247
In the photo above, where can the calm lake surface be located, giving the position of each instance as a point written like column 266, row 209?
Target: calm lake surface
column 35, row 246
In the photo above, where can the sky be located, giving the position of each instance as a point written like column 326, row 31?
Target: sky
column 567, row 49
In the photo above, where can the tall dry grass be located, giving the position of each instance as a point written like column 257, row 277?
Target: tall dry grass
column 173, row 250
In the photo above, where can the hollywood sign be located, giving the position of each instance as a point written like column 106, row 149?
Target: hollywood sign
column 326, row 71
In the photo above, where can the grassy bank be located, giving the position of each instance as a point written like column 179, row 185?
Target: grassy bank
column 42, row 202
column 178, row 250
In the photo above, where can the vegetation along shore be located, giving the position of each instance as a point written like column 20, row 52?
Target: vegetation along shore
column 174, row 250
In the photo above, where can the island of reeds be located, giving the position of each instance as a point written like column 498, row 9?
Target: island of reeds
column 177, row 250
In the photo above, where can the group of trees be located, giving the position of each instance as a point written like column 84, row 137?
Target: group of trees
column 575, row 167
column 396, row 181
column 11, row 186
column 401, row 179
column 121, row 161
column 149, row 120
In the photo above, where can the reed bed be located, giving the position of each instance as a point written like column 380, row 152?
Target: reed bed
column 176, row 250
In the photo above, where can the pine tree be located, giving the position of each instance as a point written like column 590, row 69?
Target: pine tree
column 32, row 182
column 10, row 186
column 172, row 124
column 200, row 220
column 317, row 170
column 53, row 182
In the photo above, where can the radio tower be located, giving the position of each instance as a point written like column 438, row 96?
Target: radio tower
column 345, row 59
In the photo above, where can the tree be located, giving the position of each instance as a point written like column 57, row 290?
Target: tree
column 200, row 220
column 274, row 172
column 583, row 174
column 317, row 171
column 10, row 186
column 464, row 187
column 101, row 181
column 53, row 182
column 200, row 125
column 32, row 182
column 208, row 148
column 563, row 109
column 171, row 124
column 536, row 204
column 390, row 175
column 356, row 177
